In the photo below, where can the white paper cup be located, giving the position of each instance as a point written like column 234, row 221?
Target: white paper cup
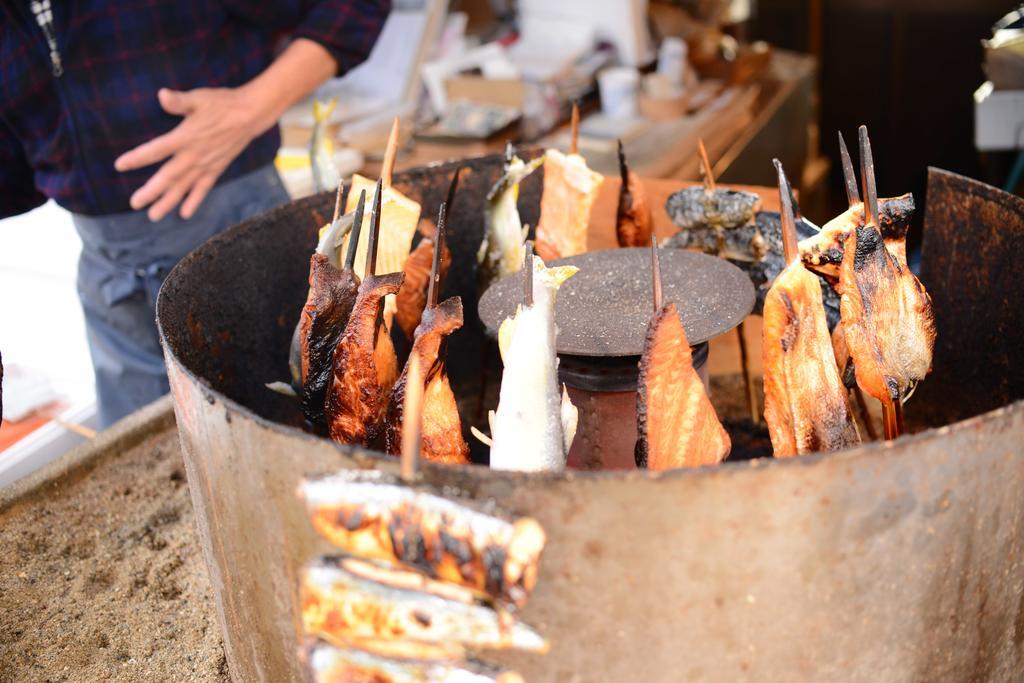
column 620, row 89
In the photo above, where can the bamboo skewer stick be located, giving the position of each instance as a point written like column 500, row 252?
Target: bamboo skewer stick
column 709, row 174
column 790, row 246
column 748, row 382
column 574, row 129
column 337, row 203
column 528, row 270
column 656, row 285
column 412, row 419
column 623, row 169
column 75, row 428
column 371, row 240
column 450, row 200
column 849, row 175
column 387, row 166
column 357, row 226
column 434, row 287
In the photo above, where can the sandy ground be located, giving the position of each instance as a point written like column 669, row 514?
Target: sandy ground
column 105, row 580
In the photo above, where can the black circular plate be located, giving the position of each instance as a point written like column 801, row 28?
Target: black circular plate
column 603, row 310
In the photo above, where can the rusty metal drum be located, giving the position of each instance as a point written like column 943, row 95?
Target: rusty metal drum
column 890, row 562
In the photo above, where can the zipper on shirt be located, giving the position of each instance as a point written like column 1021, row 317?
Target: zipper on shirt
column 44, row 17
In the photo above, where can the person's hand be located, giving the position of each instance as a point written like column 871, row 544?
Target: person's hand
column 218, row 124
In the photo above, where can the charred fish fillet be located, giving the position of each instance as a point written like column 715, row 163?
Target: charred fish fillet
column 823, row 252
column 388, row 618
column 412, row 298
column 696, row 207
column 329, row 664
column 365, row 367
column 570, row 189
column 676, row 422
column 441, row 427
column 365, row 514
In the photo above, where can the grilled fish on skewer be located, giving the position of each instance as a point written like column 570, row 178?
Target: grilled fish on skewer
column 399, row 218
column 888, row 321
column 676, row 422
column 806, row 405
column 570, row 188
column 412, row 298
column 332, row 294
column 501, row 252
column 535, row 423
column 329, row 664
column 376, row 615
column 321, row 151
column 366, row 514
column 365, row 367
column 441, row 426
column 633, row 221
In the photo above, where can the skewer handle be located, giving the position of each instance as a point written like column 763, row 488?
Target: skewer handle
column 434, row 287
column 656, row 286
column 528, row 273
column 337, row 203
column 790, row 246
column 867, row 172
column 371, row 240
column 849, row 175
column 412, row 417
column 574, row 129
column 390, row 152
column 709, row 174
column 357, row 227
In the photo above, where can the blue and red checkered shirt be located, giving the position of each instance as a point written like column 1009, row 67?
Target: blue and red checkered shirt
column 60, row 134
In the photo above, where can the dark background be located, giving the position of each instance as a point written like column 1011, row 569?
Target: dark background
column 905, row 68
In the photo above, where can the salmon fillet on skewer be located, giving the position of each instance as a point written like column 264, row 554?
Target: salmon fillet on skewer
column 441, row 427
column 676, row 422
column 806, row 405
column 365, row 365
column 888, row 322
column 570, row 189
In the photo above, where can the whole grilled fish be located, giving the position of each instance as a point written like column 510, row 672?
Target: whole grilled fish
column 389, row 618
column 329, row 664
column 368, row 514
column 535, row 423
column 321, row 150
column 501, row 252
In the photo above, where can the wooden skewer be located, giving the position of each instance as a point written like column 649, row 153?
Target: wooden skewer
column 434, row 288
column 892, row 418
column 81, row 430
column 528, row 270
column 709, row 175
column 337, row 203
column 574, row 129
column 623, row 169
column 656, row 286
column 790, row 247
column 867, row 172
column 387, row 167
column 371, row 240
column 412, row 418
column 353, row 236
column 862, row 405
column 849, row 175
column 748, row 382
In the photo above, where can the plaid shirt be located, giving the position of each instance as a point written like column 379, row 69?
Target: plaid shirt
column 60, row 134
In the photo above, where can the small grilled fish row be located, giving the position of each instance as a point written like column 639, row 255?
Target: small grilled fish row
column 386, row 617
column 327, row 663
column 370, row 515
column 697, row 207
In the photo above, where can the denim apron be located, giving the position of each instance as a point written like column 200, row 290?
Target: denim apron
column 125, row 258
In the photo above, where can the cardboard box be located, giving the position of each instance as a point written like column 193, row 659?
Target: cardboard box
column 998, row 118
column 504, row 92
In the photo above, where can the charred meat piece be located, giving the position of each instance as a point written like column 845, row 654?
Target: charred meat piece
column 697, row 208
column 888, row 323
column 332, row 294
column 365, row 514
column 387, row 618
column 823, row 252
column 806, row 405
column 412, row 298
column 677, row 424
column 633, row 221
column 365, row 367
column 442, row 428
column 329, row 664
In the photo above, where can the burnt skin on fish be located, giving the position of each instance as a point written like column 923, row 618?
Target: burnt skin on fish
column 367, row 514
